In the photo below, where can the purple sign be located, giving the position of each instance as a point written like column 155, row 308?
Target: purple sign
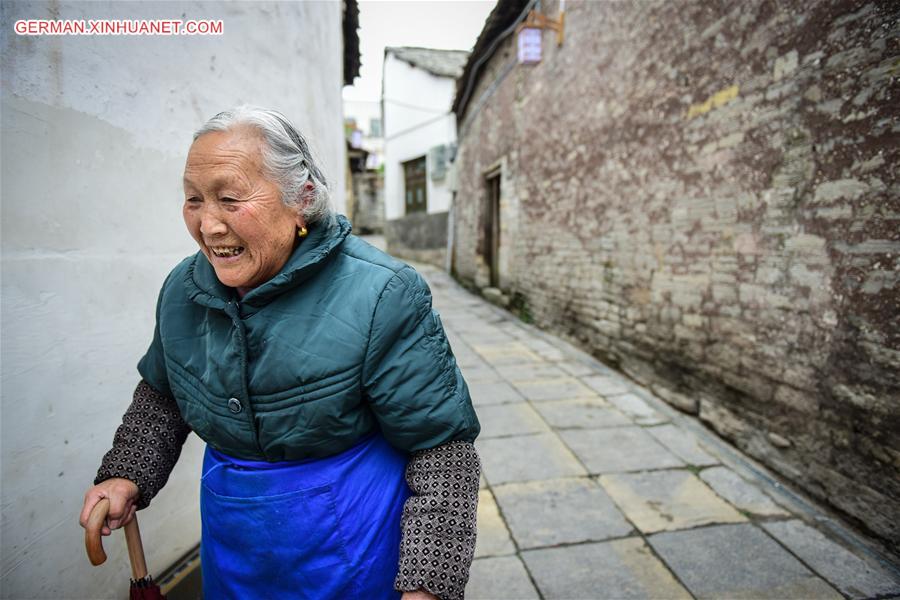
column 530, row 46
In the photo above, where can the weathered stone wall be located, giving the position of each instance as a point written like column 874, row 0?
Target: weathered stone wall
column 368, row 194
column 706, row 195
column 420, row 237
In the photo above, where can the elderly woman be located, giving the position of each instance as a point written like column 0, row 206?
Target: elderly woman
column 339, row 460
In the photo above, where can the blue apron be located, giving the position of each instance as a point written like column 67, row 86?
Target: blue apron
column 318, row 529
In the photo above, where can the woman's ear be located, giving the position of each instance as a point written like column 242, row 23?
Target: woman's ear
column 306, row 197
column 306, row 193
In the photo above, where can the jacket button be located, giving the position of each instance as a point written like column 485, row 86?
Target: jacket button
column 234, row 405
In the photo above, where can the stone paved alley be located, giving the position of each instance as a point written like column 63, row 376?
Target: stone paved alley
column 593, row 488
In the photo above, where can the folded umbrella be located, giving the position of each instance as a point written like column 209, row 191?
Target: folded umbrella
column 142, row 586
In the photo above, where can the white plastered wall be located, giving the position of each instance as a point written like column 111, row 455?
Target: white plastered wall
column 95, row 131
column 416, row 118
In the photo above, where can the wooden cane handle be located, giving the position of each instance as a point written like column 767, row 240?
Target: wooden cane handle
column 92, row 542
column 135, row 549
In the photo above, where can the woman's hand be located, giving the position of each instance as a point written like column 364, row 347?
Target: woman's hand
column 122, row 494
column 418, row 595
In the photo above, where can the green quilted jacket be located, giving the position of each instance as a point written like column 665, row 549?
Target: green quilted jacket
column 341, row 342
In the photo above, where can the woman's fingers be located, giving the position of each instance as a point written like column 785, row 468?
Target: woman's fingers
column 121, row 494
column 107, row 506
column 124, row 517
column 90, row 500
column 119, row 505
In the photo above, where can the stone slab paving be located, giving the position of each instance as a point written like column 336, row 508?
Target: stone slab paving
column 508, row 353
column 623, row 568
column 683, row 445
column 560, row 511
column 621, row 496
column 737, row 561
column 552, row 354
column 619, row 449
column 463, row 322
column 854, row 576
column 581, row 413
column 501, row 578
column 639, row 411
column 466, row 357
column 479, row 372
column 526, row 458
column 491, row 392
column 503, row 421
column 740, row 493
column 553, row 389
column 539, row 344
column 667, row 500
column 488, row 338
column 530, row 372
column 493, row 536
column 606, row 385
column 576, row 368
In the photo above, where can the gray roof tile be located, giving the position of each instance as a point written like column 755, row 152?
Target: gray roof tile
column 443, row 63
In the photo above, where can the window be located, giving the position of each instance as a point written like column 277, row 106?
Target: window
column 414, row 177
column 375, row 128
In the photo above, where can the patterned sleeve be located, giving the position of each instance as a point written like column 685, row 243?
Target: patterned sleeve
column 438, row 523
column 147, row 444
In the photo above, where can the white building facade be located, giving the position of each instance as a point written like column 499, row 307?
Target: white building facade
column 95, row 132
column 418, row 86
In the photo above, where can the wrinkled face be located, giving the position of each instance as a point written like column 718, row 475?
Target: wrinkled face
column 234, row 212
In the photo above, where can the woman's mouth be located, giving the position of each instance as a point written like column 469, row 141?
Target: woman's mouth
column 227, row 251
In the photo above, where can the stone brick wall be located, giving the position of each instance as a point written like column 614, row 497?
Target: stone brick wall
column 368, row 196
column 706, row 196
column 420, row 237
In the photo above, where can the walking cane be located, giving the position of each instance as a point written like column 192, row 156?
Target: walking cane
column 142, row 586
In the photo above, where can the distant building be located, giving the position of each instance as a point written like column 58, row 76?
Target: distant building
column 705, row 196
column 365, row 166
column 365, row 192
column 418, row 85
column 362, row 121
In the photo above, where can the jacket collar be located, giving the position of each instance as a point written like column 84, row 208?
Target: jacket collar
column 204, row 288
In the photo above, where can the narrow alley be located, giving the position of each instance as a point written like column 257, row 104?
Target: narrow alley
column 593, row 488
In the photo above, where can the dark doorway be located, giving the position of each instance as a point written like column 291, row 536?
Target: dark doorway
column 492, row 228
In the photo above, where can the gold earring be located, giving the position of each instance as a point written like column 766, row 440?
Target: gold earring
column 302, row 232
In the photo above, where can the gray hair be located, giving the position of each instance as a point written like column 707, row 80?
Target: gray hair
column 286, row 158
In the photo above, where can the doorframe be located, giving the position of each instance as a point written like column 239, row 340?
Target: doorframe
column 493, row 179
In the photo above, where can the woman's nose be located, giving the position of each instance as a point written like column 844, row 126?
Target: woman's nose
column 211, row 224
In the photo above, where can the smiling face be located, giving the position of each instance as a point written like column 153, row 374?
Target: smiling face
column 234, row 211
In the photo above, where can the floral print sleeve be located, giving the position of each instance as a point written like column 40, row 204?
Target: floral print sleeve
column 147, row 444
column 438, row 523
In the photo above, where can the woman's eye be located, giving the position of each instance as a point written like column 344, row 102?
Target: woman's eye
column 193, row 200
column 230, row 204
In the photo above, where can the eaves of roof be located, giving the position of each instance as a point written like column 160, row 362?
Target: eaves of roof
column 439, row 62
column 350, row 25
column 505, row 14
